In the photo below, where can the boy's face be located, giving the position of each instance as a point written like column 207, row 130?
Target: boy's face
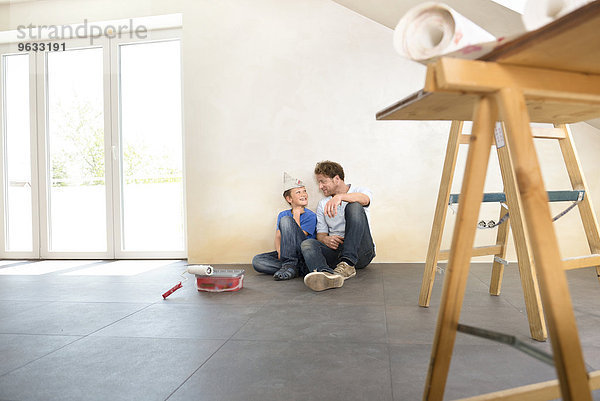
column 298, row 197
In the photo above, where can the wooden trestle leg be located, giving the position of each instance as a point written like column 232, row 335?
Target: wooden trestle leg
column 462, row 243
column 554, row 290
column 586, row 209
column 531, row 292
column 441, row 208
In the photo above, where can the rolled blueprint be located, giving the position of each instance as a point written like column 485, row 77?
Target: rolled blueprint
column 538, row 13
column 432, row 29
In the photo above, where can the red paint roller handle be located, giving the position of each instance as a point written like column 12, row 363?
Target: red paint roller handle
column 172, row 290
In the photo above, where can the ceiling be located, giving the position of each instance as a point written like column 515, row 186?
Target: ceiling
column 493, row 17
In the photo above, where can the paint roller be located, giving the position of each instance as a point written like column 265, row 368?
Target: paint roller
column 201, row 270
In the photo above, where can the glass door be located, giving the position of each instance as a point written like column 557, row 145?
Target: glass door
column 18, row 187
column 77, row 196
column 148, row 137
column 91, row 150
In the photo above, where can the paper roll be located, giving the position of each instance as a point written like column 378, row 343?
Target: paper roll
column 538, row 13
column 432, row 29
column 201, row 270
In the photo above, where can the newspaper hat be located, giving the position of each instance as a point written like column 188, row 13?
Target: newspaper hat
column 290, row 182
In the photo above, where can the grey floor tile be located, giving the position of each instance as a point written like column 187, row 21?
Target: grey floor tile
column 475, row 369
column 8, row 308
column 273, row 370
column 409, row 363
column 480, row 369
column 257, row 289
column 97, row 368
column 499, row 317
column 183, row 321
column 30, row 289
column 366, row 288
column 368, row 338
column 109, row 291
column 17, row 350
column 403, row 291
column 316, row 322
column 411, row 324
column 67, row 318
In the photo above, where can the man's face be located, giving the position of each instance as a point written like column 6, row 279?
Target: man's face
column 298, row 197
column 327, row 185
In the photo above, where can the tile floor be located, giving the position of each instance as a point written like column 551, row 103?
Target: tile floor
column 101, row 331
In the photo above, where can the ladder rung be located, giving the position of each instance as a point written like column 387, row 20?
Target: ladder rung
column 553, row 196
column 537, row 132
column 548, row 390
column 464, row 139
column 477, row 251
column 580, row 262
column 548, row 132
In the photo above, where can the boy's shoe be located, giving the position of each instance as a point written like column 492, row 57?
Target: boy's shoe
column 286, row 273
column 319, row 281
column 345, row 270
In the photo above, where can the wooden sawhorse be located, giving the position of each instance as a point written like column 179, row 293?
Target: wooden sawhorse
column 537, row 325
column 549, row 75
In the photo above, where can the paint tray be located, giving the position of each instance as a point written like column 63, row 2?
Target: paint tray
column 221, row 280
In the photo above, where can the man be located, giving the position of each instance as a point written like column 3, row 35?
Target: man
column 344, row 241
column 293, row 226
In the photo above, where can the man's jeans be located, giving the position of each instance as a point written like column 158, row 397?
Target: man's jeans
column 291, row 254
column 358, row 248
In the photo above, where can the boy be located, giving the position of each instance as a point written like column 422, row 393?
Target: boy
column 293, row 226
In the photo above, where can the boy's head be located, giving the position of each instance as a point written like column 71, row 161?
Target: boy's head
column 294, row 191
column 296, row 196
column 330, row 177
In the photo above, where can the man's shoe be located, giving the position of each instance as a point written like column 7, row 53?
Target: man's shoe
column 345, row 270
column 319, row 281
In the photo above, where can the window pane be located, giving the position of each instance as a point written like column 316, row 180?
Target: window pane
column 151, row 147
column 77, row 200
column 18, row 153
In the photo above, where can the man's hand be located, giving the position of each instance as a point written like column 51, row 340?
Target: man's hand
column 332, row 205
column 333, row 241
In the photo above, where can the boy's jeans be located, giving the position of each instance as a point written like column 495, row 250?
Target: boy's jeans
column 291, row 254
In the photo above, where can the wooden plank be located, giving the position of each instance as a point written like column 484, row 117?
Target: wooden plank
column 548, row 390
column 477, row 251
column 453, row 75
column 527, row 273
column 464, row 139
column 547, row 133
column 586, row 208
column 553, row 284
column 439, row 217
column 553, row 196
column 570, row 43
column 581, row 262
column 459, row 106
column 538, row 132
column 460, row 256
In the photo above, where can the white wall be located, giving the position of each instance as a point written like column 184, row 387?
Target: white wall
column 277, row 85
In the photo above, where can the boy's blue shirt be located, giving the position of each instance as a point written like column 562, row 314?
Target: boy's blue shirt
column 308, row 221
